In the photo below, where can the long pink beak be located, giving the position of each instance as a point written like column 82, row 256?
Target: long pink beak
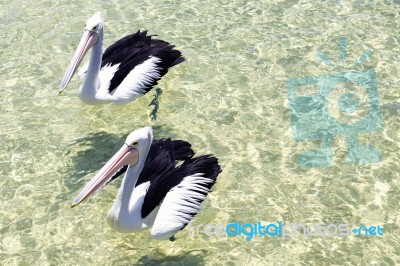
column 125, row 156
column 89, row 39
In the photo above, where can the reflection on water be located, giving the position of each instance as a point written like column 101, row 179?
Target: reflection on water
column 228, row 98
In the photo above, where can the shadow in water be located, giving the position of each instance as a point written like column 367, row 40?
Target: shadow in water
column 90, row 153
column 187, row 259
column 193, row 257
column 155, row 103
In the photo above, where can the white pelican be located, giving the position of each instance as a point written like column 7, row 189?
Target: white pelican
column 126, row 70
column 163, row 186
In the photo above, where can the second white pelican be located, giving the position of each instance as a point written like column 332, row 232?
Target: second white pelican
column 163, row 186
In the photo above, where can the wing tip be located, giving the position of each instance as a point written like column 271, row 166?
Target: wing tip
column 179, row 60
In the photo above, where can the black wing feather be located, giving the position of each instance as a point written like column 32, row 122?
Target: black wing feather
column 171, row 177
column 133, row 50
column 163, row 154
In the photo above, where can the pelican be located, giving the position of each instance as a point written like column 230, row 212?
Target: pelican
column 126, row 70
column 163, row 185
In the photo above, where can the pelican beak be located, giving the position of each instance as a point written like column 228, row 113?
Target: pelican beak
column 89, row 39
column 125, row 156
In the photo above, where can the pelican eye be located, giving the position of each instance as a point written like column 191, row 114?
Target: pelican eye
column 94, row 28
column 134, row 143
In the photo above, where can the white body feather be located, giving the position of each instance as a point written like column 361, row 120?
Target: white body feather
column 95, row 88
column 168, row 218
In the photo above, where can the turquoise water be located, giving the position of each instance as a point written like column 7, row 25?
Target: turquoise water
column 229, row 98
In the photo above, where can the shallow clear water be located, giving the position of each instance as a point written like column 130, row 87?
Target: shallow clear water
column 229, row 98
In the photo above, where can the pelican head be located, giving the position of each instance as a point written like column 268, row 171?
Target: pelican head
column 93, row 29
column 94, row 22
column 132, row 154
